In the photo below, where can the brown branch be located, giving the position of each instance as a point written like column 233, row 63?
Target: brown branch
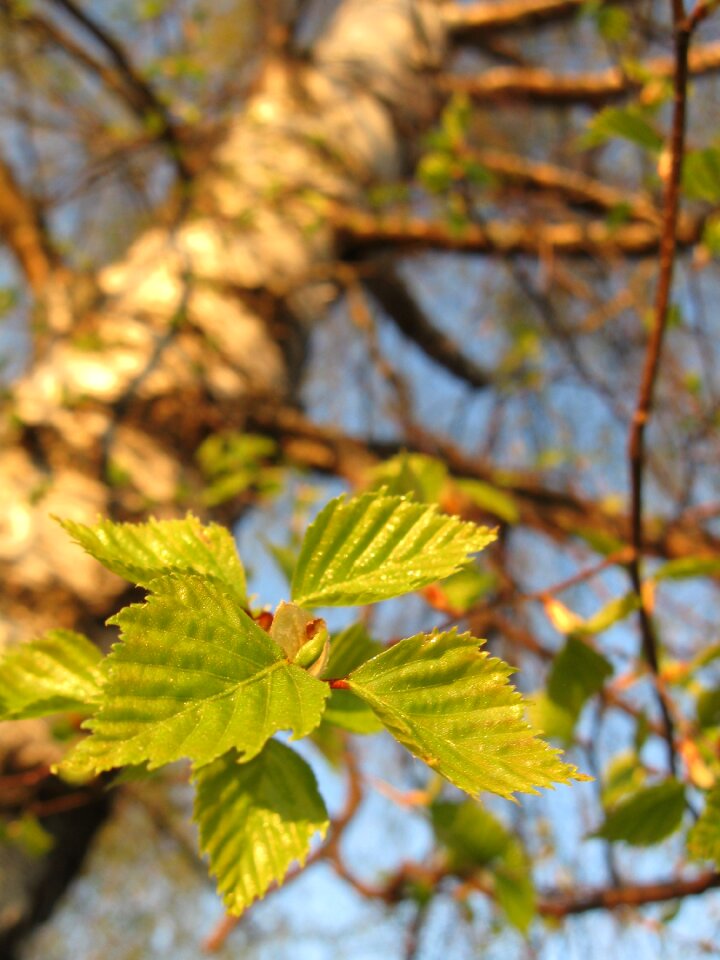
column 556, row 904
column 558, row 514
column 595, row 89
column 562, row 905
column 139, row 94
column 22, row 226
column 391, row 292
column 47, row 32
column 473, row 20
column 575, row 187
column 643, row 409
column 363, row 230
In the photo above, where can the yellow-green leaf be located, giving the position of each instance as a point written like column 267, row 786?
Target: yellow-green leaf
column 375, row 547
column 451, row 705
column 255, row 819
column 141, row 552
column 194, row 677
column 51, row 674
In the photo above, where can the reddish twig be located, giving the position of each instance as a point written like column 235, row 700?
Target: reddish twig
column 644, row 405
column 610, row 898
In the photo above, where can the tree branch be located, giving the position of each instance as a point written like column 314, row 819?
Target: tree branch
column 552, row 903
column 21, row 225
column 593, row 89
column 470, row 21
column 577, row 188
column 562, row 905
column 391, row 292
column 138, row 93
column 555, row 513
column 363, row 230
column 643, row 409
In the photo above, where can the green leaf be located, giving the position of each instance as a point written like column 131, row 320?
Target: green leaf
column 550, row 719
column 436, row 171
column 27, row 833
column 451, row 705
column 577, row 673
column 686, row 567
column 51, row 674
column 411, row 474
column 701, row 174
column 613, row 23
column 349, row 649
column 646, row 817
column 612, row 613
column 624, row 774
column 628, row 123
column 194, row 677
column 255, row 819
column 349, row 712
column 704, row 837
column 472, row 836
column 140, row 552
column 375, row 547
column 492, row 499
column 464, row 589
column 514, row 888
column 707, row 708
column 285, row 557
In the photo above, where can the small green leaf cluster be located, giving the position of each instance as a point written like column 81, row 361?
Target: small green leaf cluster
column 447, row 160
column 197, row 676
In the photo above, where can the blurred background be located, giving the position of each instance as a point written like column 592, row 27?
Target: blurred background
column 255, row 254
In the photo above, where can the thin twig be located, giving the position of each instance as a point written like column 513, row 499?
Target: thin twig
column 142, row 95
column 643, row 409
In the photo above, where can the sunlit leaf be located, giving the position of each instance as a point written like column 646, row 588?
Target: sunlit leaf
column 451, row 705
column 411, row 474
column 685, row 567
column 646, row 817
column 612, row 613
column 53, row 673
column 194, row 677
column 256, row 819
column 375, row 547
column 551, row 719
column 140, row 552
column 491, row 498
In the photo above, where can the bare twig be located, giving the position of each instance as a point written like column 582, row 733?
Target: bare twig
column 643, row 409
column 141, row 95
column 593, row 89
column 393, row 295
column 610, row 898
